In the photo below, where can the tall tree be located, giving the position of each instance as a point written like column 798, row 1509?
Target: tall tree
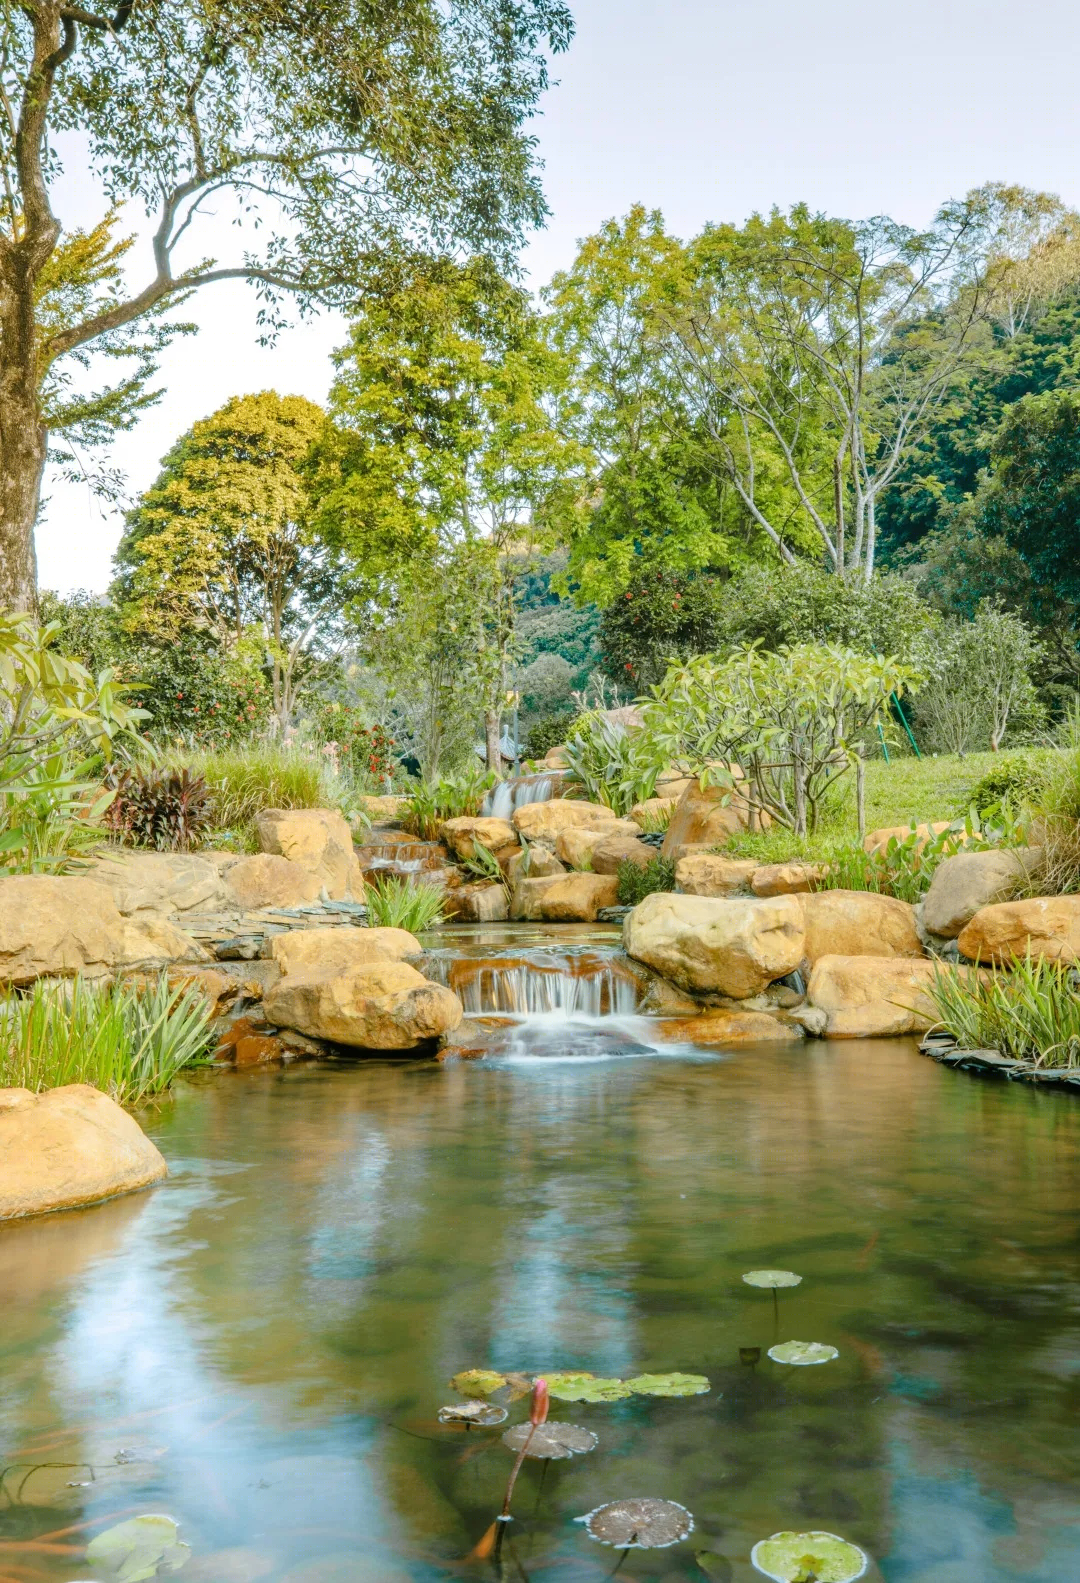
column 336, row 129
column 223, row 542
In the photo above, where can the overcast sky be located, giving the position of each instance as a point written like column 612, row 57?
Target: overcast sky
column 708, row 110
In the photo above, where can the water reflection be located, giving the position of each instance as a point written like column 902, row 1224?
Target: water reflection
column 260, row 1346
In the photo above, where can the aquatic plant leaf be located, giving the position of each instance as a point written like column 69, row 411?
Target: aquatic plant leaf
column 486, row 1414
column 802, row 1353
column 809, row 1558
column 772, row 1278
column 478, row 1382
column 714, row 1566
column 668, row 1384
column 643, row 1524
column 550, row 1441
column 587, row 1388
column 140, row 1548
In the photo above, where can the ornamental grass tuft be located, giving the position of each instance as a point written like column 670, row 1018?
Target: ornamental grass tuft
column 1028, row 1012
column 395, row 902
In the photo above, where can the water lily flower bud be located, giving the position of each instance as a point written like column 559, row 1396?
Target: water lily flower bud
column 538, row 1409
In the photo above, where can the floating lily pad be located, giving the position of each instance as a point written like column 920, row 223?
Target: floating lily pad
column 475, row 1412
column 142, row 1547
column 802, row 1353
column 809, row 1558
column 714, row 1566
column 561, row 1384
column 591, row 1390
column 551, row 1441
column 772, row 1278
column 644, row 1524
column 478, row 1382
column 668, row 1384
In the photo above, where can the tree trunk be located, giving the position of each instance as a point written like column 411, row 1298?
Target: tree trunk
column 23, row 445
column 492, row 735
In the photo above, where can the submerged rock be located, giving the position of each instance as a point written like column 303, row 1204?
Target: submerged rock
column 732, row 947
column 964, row 884
column 1047, row 926
column 375, row 1006
column 69, row 1146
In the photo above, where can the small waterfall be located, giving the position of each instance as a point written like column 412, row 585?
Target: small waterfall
column 503, row 799
column 401, row 857
column 539, row 984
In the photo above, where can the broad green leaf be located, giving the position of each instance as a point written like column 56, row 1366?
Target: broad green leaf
column 668, row 1384
column 809, row 1558
column 801, row 1353
column 598, row 1391
column 142, row 1547
column 478, row 1382
column 772, row 1278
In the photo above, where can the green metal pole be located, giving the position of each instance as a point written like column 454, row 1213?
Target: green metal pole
column 884, row 749
column 907, row 728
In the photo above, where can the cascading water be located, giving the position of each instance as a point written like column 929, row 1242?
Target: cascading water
column 503, row 799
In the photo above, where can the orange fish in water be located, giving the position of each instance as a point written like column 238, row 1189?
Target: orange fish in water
column 865, row 1252
column 869, row 1356
column 482, row 1550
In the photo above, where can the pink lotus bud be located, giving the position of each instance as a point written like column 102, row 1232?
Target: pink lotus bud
column 538, row 1408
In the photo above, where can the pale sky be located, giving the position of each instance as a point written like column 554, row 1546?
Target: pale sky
column 708, row 110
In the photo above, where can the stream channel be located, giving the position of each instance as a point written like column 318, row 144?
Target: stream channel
column 260, row 1346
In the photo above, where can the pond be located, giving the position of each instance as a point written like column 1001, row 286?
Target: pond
column 260, row 1347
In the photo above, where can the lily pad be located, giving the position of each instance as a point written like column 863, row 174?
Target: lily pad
column 643, row 1524
column 772, row 1278
column 486, row 1414
column 802, row 1353
column 551, row 1441
column 478, row 1382
column 668, row 1384
column 142, row 1547
column 590, row 1389
column 809, row 1558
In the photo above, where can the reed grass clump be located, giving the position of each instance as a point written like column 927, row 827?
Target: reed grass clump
column 1029, row 1012
column 243, row 783
column 130, row 1041
column 395, row 902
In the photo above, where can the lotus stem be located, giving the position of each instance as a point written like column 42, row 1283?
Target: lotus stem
column 538, row 1411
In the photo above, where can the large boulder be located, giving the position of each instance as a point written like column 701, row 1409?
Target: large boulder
column 481, row 903
column 870, row 997
column 721, row 1029
column 375, row 1006
column 463, row 835
column 536, row 861
column 265, row 880
column 964, row 884
column 576, row 845
column 704, row 816
column 162, row 881
column 334, row 950
column 878, row 840
column 786, row 879
column 1047, row 926
column 709, row 874
column 69, row 1146
column 320, row 841
column 59, row 926
column 612, row 850
column 858, row 923
column 545, row 821
column 564, row 898
column 730, row 947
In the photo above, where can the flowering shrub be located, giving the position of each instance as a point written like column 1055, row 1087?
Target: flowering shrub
column 369, row 751
column 198, row 695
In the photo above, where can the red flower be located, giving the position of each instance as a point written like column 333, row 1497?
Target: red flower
column 538, row 1407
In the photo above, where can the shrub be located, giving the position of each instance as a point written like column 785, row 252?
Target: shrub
column 129, row 1042
column 550, row 732
column 166, row 809
column 1055, row 827
column 454, row 797
column 240, row 785
column 1015, row 779
column 198, row 695
column 369, row 752
column 636, row 883
column 983, row 687
column 661, row 616
column 612, row 765
column 395, row 902
column 1031, row 1012
column 904, row 868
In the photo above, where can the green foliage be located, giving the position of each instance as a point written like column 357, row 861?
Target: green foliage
column 484, row 865
column 612, row 765
column 660, row 617
column 550, row 732
column 241, row 785
column 167, row 810
column 1029, row 1012
column 654, row 821
column 1014, row 779
column 635, row 882
column 130, row 1042
column 904, row 868
column 549, row 623
column 982, row 686
column 396, row 902
column 1055, row 824
column 453, row 797
column 790, row 720
column 368, row 751
column 195, row 694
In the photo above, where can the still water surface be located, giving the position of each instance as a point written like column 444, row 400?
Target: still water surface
column 260, row 1346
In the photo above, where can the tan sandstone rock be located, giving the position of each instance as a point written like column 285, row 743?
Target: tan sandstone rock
column 732, row 947
column 69, row 1146
column 564, row 898
column 858, row 923
column 481, row 903
column 654, row 808
column 463, row 835
column 709, row 874
column 267, row 880
column 376, row 1006
column 871, row 997
column 384, row 810
column 336, row 950
column 536, row 861
column 616, row 849
column 576, row 845
column 704, row 817
column 785, row 879
column 320, row 841
column 544, row 821
column 964, row 884
column 719, row 1029
column 878, row 840
column 1048, row 926
column 162, row 881
column 62, row 925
